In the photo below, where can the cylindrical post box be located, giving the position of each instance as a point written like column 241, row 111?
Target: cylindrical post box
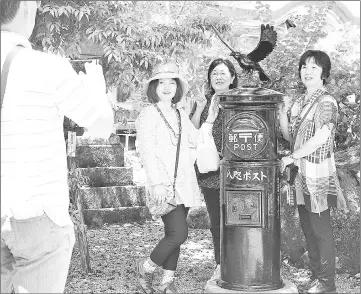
column 250, row 206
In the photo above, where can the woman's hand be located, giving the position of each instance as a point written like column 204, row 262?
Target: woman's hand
column 200, row 99
column 282, row 110
column 160, row 193
column 285, row 105
column 287, row 160
column 213, row 109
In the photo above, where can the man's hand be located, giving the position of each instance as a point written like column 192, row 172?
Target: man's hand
column 94, row 75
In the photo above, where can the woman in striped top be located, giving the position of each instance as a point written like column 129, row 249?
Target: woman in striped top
column 310, row 125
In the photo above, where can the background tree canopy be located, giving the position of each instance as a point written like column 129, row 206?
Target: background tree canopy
column 133, row 36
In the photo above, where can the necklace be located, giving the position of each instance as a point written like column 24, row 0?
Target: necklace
column 167, row 123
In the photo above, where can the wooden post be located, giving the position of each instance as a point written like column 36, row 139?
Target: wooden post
column 80, row 228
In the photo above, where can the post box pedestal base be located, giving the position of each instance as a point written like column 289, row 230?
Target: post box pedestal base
column 212, row 287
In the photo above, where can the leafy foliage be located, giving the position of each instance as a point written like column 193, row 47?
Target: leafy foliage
column 346, row 229
column 132, row 36
column 311, row 33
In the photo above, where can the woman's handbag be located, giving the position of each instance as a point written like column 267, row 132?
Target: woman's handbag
column 207, row 154
column 157, row 210
column 291, row 173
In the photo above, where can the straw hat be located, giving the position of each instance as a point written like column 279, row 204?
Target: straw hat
column 167, row 71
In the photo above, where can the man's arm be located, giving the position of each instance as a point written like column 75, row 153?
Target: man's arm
column 83, row 99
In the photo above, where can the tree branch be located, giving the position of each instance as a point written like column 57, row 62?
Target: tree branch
column 181, row 9
column 219, row 36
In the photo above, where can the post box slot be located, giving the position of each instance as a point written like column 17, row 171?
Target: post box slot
column 244, row 207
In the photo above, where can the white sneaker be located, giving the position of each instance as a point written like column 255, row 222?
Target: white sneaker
column 217, row 273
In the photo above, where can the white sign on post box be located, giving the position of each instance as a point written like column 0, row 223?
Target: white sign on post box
column 71, row 143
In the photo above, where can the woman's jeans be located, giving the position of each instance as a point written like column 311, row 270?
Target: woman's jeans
column 319, row 242
column 212, row 199
column 166, row 253
column 35, row 255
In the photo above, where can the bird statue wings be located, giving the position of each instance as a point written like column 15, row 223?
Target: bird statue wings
column 249, row 62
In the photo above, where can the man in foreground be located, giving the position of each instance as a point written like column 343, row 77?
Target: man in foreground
column 37, row 234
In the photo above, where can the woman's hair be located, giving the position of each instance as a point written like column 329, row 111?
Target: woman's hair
column 8, row 10
column 153, row 96
column 320, row 58
column 231, row 69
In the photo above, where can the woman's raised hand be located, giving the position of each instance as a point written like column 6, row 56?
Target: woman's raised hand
column 200, row 99
column 213, row 108
column 283, row 107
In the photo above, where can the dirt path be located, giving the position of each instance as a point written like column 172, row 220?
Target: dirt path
column 114, row 249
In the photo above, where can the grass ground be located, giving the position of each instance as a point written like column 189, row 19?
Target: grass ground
column 114, row 250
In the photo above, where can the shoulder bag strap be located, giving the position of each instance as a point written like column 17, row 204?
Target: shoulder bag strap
column 179, row 136
column 5, row 70
column 303, row 118
column 178, row 149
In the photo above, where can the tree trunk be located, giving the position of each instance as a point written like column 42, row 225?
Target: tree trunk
column 80, row 228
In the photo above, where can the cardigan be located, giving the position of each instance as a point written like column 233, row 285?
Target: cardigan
column 157, row 147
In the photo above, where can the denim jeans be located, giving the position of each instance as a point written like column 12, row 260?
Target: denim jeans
column 35, row 255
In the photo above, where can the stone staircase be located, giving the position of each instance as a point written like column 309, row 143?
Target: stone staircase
column 110, row 196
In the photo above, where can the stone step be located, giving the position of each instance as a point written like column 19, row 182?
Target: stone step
column 100, row 156
column 96, row 218
column 107, row 176
column 114, row 196
column 87, row 140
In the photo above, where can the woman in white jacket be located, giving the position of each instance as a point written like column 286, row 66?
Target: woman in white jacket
column 158, row 128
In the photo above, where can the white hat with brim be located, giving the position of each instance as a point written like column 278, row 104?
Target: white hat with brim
column 168, row 71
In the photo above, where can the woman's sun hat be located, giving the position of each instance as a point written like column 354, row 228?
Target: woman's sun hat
column 167, row 71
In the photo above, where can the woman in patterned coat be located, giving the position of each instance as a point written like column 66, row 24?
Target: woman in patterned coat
column 222, row 76
column 158, row 128
column 310, row 126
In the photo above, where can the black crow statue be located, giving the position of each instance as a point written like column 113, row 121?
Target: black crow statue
column 249, row 62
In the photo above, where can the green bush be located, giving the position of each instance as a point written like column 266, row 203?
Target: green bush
column 346, row 231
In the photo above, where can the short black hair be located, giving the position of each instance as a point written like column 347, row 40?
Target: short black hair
column 320, row 58
column 231, row 69
column 8, row 10
column 153, row 96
